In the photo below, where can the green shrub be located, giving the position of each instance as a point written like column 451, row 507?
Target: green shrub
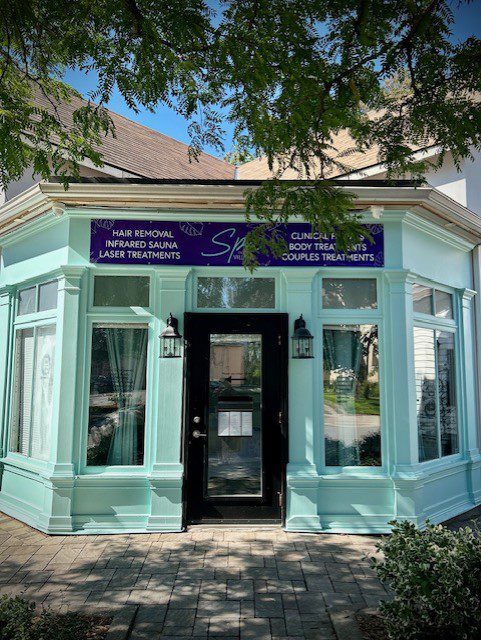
column 16, row 618
column 435, row 577
column 18, row 621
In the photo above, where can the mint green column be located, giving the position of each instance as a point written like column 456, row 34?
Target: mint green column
column 468, row 388
column 401, row 416
column 6, row 312
column 59, row 477
column 302, row 476
column 166, row 475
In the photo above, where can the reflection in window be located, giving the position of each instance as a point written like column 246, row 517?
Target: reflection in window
column 422, row 299
column 435, row 393
column 33, row 391
column 444, row 304
column 121, row 291
column 349, row 293
column 234, row 439
column 47, row 296
column 425, row 366
column 432, row 302
column 352, row 424
column 236, row 293
column 447, row 393
column 27, row 301
column 117, row 395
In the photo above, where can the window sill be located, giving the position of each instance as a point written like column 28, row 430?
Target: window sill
column 114, row 472
column 353, row 472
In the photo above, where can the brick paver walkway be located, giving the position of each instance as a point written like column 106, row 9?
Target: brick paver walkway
column 219, row 583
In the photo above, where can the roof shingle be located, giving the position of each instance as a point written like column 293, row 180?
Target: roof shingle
column 145, row 152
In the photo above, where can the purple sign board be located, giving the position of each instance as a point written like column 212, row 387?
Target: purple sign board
column 220, row 244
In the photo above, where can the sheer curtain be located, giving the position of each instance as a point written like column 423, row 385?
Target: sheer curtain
column 43, row 392
column 127, row 358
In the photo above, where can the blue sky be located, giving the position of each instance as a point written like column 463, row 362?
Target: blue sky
column 165, row 120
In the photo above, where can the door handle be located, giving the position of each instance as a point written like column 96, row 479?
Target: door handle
column 198, row 434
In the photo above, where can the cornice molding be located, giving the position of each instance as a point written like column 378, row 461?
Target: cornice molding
column 396, row 276
column 7, row 289
column 70, row 276
column 413, row 219
column 426, row 202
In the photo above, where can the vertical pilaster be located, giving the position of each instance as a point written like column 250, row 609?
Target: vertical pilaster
column 166, row 476
column 6, row 321
column 401, row 421
column 302, row 476
column 468, row 387
column 59, row 480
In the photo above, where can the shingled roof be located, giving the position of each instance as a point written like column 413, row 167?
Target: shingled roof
column 342, row 149
column 146, row 153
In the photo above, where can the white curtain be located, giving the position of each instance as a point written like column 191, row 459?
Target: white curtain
column 43, row 392
column 127, row 358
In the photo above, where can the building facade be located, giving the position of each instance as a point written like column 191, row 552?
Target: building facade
column 111, row 423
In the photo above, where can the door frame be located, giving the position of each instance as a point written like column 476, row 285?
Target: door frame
column 282, row 318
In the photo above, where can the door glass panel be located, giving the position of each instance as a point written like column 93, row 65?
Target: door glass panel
column 234, row 439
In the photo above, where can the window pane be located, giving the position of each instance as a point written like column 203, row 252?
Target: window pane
column 47, row 296
column 349, row 293
column 444, row 304
column 27, row 301
column 236, row 293
column 352, row 423
column 22, row 391
column 121, row 291
column 117, row 396
column 43, row 392
column 422, row 299
column 447, row 393
column 426, row 394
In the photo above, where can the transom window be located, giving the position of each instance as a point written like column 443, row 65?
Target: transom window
column 349, row 293
column 121, row 291
column 42, row 297
column 432, row 302
column 236, row 293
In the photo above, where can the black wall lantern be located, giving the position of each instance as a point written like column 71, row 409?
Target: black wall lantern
column 301, row 340
column 171, row 340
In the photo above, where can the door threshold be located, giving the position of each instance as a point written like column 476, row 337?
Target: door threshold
column 235, row 525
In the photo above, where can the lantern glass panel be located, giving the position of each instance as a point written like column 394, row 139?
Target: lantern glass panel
column 302, row 347
column 171, row 347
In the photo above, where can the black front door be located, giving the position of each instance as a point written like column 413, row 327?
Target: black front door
column 235, row 426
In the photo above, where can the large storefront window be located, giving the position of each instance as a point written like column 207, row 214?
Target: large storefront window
column 352, row 424
column 33, row 391
column 436, row 403
column 117, row 395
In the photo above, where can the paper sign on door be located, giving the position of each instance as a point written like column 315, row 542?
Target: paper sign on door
column 234, row 423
